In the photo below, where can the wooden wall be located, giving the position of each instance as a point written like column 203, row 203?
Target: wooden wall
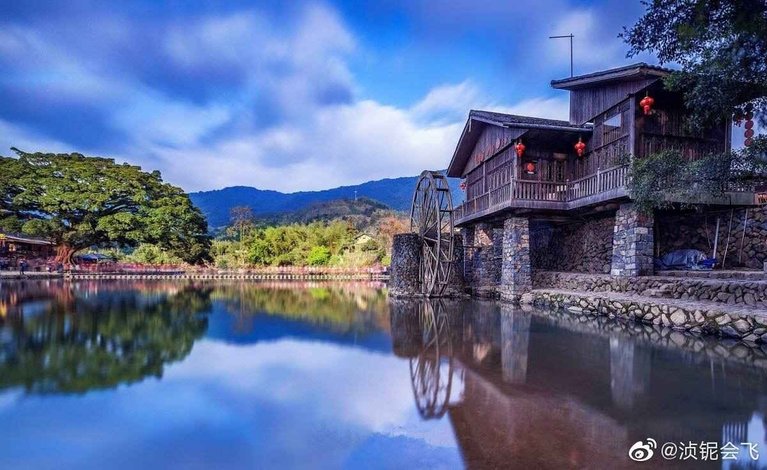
column 490, row 142
column 587, row 103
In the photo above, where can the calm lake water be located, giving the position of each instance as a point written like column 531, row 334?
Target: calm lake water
column 246, row 375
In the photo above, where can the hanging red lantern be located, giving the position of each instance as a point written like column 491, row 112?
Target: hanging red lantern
column 749, row 133
column 520, row 148
column 647, row 103
column 462, row 185
column 749, row 124
column 580, row 147
column 748, row 142
column 530, row 168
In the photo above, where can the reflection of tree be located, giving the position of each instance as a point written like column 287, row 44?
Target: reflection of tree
column 102, row 341
column 431, row 372
column 340, row 307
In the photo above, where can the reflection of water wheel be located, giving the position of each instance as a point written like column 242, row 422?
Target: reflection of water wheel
column 431, row 217
column 431, row 373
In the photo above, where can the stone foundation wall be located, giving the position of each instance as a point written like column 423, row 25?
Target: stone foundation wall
column 582, row 246
column 748, row 236
column 711, row 320
column 740, row 292
column 516, row 272
column 483, row 259
column 633, row 243
column 405, row 263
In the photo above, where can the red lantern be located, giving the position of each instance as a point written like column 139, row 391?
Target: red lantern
column 530, row 168
column 520, row 148
column 749, row 133
column 647, row 103
column 748, row 142
column 580, row 147
column 462, row 185
column 749, row 124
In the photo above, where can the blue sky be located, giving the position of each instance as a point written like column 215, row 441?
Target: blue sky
column 286, row 95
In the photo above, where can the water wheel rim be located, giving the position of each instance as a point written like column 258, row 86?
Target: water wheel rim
column 431, row 218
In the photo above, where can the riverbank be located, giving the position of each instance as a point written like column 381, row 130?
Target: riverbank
column 725, row 306
column 256, row 275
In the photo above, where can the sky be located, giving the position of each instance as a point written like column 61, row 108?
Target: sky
column 297, row 95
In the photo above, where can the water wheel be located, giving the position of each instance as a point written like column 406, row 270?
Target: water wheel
column 431, row 372
column 431, row 217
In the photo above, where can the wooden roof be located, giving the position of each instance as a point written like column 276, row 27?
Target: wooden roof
column 478, row 120
column 24, row 240
column 631, row 72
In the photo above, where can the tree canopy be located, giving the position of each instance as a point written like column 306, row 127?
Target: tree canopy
column 721, row 46
column 80, row 202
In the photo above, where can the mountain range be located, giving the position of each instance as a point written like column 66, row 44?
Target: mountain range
column 396, row 193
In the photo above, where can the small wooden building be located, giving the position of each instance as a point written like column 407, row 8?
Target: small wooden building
column 14, row 247
column 544, row 191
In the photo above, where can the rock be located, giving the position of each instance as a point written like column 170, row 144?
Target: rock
column 722, row 320
column 742, row 326
column 678, row 318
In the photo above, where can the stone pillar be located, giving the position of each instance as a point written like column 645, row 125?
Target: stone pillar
column 632, row 243
column 516, row 277
column 515, row 338
column 405, row 263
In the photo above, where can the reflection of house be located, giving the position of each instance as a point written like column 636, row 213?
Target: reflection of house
column 13, row 247
column 542, row 394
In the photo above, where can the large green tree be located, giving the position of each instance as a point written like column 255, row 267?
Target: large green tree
column 721, row 46
column 81, row 201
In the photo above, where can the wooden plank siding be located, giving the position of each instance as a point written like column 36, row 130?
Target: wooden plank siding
column 589, row 102
column 496, row 177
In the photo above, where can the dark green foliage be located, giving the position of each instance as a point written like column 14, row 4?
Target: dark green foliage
column 667, row 179
column 81, row 202
column 722, row 48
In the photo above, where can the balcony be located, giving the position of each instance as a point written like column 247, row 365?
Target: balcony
column 547, row 195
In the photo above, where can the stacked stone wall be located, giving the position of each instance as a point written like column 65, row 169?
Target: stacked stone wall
column 748, row 235
column 633, row 243
column 516, row 270
column 750, row 293
column 483, row 259
column 580, row 246
column 694, row 317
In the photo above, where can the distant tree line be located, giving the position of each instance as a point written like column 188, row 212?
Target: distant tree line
column 340, row 242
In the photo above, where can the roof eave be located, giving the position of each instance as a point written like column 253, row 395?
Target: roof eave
column 585, row 81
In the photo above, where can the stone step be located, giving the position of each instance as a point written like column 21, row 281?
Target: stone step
column 738, row 321
column 750, row 293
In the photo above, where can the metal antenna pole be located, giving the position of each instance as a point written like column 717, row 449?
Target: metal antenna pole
column 569, row 36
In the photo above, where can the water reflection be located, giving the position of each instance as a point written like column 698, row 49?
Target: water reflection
column 337, row 375
column 74, row 338
column 547, row 390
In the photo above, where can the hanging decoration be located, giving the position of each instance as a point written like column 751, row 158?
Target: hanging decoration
column 530, row 168
column 580, row 147
column 647, row 103
column 749, row 125
column 520, row 148
column 462, row 185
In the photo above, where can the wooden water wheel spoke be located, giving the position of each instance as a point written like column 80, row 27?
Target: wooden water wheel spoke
column 431, row 218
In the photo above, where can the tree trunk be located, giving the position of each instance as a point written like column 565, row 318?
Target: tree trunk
column 64, row 254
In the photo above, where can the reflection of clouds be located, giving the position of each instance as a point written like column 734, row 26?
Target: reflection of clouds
column 276, row 404
column 364, row 389
column 9, row 398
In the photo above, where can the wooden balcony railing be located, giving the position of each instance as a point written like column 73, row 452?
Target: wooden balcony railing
column 546, row 192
